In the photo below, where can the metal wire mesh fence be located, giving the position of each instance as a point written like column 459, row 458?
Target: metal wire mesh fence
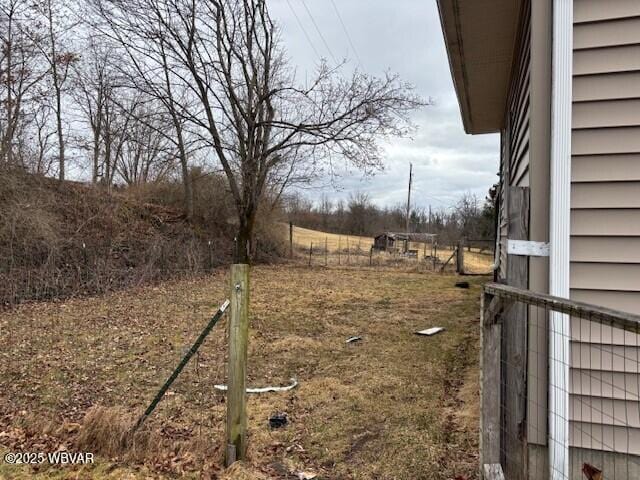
column 74, row 268
column 319, row 249
column 98, row 360
column 560, row 388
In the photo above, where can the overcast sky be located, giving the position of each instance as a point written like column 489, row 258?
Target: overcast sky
column 403, row 36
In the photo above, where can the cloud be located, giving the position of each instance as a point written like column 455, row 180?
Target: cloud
column 403, row 36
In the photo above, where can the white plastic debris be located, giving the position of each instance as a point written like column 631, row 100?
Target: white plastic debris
column 430, row 331
column 353, row 339
column 307, row 475
column 294, row 384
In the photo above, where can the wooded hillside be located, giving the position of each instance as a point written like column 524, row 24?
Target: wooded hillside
column 60, row 240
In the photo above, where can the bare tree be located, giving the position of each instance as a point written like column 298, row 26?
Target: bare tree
column 40, row 143
column 467, row 211
column 146, row 154
column 55, row 15
column 266, row 128
column 147, row 70
column 94, row 83
column 21, row 72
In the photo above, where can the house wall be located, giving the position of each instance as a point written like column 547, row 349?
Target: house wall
column 515, row 137
column 541, row 29
column 605, row 221
column 605, row 217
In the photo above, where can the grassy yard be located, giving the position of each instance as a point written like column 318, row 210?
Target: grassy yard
column 75, row 374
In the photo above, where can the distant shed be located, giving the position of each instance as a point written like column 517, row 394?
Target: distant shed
column 393, row 241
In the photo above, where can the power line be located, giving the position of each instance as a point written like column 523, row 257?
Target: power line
column 346, row 32
column 313, row 20
column 304, row 30
column 421, row 193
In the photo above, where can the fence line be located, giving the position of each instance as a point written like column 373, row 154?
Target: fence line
column 342, row 251
column 601, row 395
column 75, row 268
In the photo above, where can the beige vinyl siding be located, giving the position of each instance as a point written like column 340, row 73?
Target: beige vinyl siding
column 606, row 87
column 606, row 249
column 607, row 385
column 606, row 195
column 597, row 141
column 537, row 177
column 599, row 10
column 605, row 437
column 605, row 411
column 515, row 149
column 606, row 60
column 590, row 331
column 625, row 31
column 608, row 358
column 627, row 301
column 608, row 438
column 605, row 276
column 605, row 168
column 605, row 223
column 606, row 113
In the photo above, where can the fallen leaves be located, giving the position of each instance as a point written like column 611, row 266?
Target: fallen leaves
column 349, row 418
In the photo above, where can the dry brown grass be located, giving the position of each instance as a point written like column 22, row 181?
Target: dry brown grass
column 394, row 406
column 303, row 237
column 354, row 250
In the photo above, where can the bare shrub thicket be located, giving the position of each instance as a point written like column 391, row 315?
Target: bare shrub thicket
column 60, row 242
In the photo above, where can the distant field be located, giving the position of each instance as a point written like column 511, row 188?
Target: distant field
column 303, row 237
column 356, row 249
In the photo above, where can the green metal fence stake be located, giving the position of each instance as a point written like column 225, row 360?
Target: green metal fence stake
column 194, row 348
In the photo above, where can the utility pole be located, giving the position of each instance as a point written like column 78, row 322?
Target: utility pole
column 409, row 196
column 430, row 228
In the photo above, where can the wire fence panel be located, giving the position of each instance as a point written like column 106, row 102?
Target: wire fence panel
column 319, row 249
column 566, row 401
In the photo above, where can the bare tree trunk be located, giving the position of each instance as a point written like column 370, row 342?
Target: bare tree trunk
column 188, row 188
column 244, row 237
column 6, row 141
column 96, row 160
column 61, row 159
column 58, row 91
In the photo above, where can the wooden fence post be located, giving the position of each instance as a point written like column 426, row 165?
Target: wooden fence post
column 435, row 255
column 371, row 256
column 460, row 258
column 326, row 252
column 339, row 250
column 236, row 438
column 514, row 344
column 490, row 390
column 290, row 239
column 310, row 252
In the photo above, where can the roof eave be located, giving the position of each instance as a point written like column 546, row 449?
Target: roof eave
column 480, row 52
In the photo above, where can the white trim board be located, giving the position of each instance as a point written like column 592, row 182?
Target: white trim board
column 528, row 248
